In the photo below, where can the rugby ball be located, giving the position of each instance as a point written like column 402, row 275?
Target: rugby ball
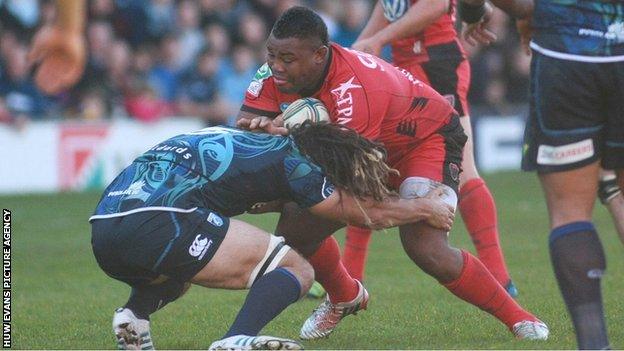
column 303, row 110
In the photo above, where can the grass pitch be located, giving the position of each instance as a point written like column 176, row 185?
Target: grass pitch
column 61, row 299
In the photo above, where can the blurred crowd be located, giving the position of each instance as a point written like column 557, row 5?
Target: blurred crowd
column 150, row 59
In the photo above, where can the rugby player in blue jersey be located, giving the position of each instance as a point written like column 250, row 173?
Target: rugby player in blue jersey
column 164, row 223
column 575, row 126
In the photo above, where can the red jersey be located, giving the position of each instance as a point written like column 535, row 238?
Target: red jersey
column 380, row 101
column 415, row 49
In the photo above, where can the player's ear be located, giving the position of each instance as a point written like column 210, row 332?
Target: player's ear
column 320, row 54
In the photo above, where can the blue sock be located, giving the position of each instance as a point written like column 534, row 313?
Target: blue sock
column 267, row 298
column 579, row 262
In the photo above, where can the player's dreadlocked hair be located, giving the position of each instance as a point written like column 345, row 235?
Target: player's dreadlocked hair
column 300, row 22
column 350, row 161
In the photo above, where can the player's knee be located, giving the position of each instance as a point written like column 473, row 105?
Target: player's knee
column 300, row 268
column 280, row 255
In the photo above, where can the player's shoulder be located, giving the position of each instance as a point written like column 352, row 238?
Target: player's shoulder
column 356, row 67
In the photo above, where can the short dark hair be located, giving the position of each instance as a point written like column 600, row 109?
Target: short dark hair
column 300, row 22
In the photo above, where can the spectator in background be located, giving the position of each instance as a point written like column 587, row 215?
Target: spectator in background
column 190, row 36
column 199, row 91
column 100, row 40
column 22, row 15
column 22, row 100
column 119, row 65
column 220, row 11
column 182, row 28
column 356, row 12
column 253, row 32
column 217, row 37
column 237, row 75
column 161, row 18
column 163, row 77
column 141, row 99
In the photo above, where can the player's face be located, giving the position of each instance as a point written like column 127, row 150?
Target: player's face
column 297, row 64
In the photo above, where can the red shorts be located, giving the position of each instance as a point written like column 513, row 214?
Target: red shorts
column 438, row 157
column 448, row 74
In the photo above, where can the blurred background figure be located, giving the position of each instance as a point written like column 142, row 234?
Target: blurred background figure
column 140, row 55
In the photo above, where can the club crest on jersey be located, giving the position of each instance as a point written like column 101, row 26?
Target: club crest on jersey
column 344, row 100
column 255, row 87
column 214, row 219
column 284, row 106
column 394, row 9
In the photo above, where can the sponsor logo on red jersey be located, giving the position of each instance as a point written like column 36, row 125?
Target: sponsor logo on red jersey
column 344, row 100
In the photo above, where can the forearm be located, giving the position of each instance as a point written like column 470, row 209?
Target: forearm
column 395, row 212
column 514, row 8
column 71, row 15
column 375, row 23
column 417, row 18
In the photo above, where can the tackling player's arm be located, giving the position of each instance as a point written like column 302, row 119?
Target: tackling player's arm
column 418, row 17
column 514, row 8
column 477, row 14
column 261, row 123
column 390, row 212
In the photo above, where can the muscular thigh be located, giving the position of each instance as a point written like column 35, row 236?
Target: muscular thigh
column 241, row 250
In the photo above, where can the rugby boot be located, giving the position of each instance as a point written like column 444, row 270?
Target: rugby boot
column 326, row 317
column 531, row 330
column 246, row 342
column 131, row 332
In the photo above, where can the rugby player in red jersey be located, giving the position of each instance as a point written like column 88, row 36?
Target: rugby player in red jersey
column 424, row 42
column 424, row 140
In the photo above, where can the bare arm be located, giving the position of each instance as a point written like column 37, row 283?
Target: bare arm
column 417, row 18
column 60, row 49
column 70, row 14
column 514, row 8
column 391, row 212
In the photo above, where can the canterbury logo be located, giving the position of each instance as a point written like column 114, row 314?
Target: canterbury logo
column 199, row 247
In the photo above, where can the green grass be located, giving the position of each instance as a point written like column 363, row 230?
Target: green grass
column 62, row 300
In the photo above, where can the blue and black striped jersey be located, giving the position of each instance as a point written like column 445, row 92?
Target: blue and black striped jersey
column 223, row 169
column 580, row 27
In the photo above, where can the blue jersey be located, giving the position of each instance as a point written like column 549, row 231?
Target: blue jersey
column 224, row 169
column 579, row 27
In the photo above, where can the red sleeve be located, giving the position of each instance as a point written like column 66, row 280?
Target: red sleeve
column 356, row 108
